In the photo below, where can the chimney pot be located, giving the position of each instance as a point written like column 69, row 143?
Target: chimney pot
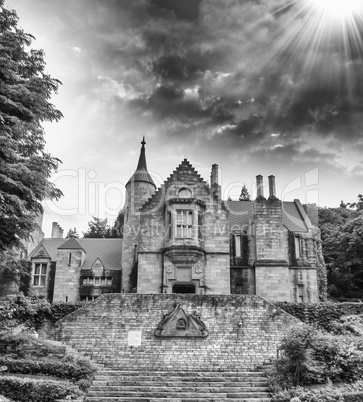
column 272, row 186
column 214, row 175
column 259, row 182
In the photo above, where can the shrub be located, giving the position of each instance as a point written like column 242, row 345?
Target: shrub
column 30, row 310
column 60, row 310
column 312, row 357
column 351, row 393
column 74, row 371
column 30, row 390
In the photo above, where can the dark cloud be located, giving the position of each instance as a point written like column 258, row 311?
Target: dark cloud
column 186, row 9
column 242, row 70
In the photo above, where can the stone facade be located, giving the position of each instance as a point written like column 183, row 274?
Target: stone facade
column 183, row 238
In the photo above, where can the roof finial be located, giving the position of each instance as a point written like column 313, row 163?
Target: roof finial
column 143, row 142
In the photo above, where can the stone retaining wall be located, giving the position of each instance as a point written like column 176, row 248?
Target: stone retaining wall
column 244, row 331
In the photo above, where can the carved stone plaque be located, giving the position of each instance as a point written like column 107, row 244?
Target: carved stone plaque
column 180, row 324
column 134, row 338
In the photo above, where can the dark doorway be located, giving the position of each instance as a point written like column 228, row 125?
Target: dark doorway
column 184, row 288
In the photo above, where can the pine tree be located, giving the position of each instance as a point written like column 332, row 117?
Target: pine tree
column 245, row 195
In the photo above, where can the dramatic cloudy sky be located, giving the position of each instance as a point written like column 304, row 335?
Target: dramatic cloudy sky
column 256, row 86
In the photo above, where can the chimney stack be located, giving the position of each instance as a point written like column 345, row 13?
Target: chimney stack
column 259, row 182
column 271, row 186
column 214, row 175
column 57, row 231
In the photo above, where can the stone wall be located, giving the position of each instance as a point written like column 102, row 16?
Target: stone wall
column 244, row 331
column 66, row 288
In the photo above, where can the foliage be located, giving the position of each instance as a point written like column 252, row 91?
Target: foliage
column 245, row 195
column 30, row 310
column 342, row 236
column 117, row 229
column 33, row 311
column 12, row 268
column 36, row 390
column 61, row 309
column 344, row 393
column 71, row 369
column 97, row 228
column 72, row 233
column 321, row 315
column 313, row 357
column 25, row 167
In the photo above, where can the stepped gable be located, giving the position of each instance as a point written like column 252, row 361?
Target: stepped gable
column 184, row 172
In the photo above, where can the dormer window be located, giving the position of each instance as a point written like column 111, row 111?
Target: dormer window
column 185, row 193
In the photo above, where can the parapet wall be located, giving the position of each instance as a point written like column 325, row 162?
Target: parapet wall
column 244, row 332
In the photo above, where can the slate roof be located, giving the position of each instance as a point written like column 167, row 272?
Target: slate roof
column 107, row 250
column 241, row 215
column 70, row 244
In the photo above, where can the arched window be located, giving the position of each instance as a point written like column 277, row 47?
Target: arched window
column 184, row 193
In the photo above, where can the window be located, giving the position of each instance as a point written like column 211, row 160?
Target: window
column 237, row 245
column 300, row 293
column 200, row 225
column 168, row 224
column 184, row 193
column 69, row 258
column 87, row 299
column 297, row 247
column 40, row 274
column 184, row 223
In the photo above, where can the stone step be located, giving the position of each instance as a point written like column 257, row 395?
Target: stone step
column 180, row 399
column 179, row 386
column 189, row 395
column 192, row 374
column 173, row 388
column 181, row 383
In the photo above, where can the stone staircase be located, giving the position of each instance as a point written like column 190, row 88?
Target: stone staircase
column 179, row 386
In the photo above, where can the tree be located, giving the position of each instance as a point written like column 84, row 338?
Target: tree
column 342, row 240
column 72, row 233
column 245, row 195
column 98, row 228
column 117, row 229
column 25, row 167
column 13, row 270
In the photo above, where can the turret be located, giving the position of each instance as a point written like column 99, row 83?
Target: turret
column 139, row 189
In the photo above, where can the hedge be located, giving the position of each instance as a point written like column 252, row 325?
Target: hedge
column 75, row 371
column 36, row 390
column 322, row 315
column 60, row 310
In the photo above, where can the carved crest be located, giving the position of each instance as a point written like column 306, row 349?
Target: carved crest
column 180, row 324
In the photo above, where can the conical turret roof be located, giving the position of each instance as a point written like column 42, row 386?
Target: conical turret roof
column 141, row 174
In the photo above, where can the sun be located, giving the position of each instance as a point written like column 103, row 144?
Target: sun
column 340, row 9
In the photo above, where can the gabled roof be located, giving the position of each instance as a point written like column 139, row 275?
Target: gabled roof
column 71, row 244
column 40, row 252
column 107, row 250
column 240, row 215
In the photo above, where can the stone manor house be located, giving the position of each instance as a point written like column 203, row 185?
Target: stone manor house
column 183, row 238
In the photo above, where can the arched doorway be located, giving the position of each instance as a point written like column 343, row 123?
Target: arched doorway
column 184, row 288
